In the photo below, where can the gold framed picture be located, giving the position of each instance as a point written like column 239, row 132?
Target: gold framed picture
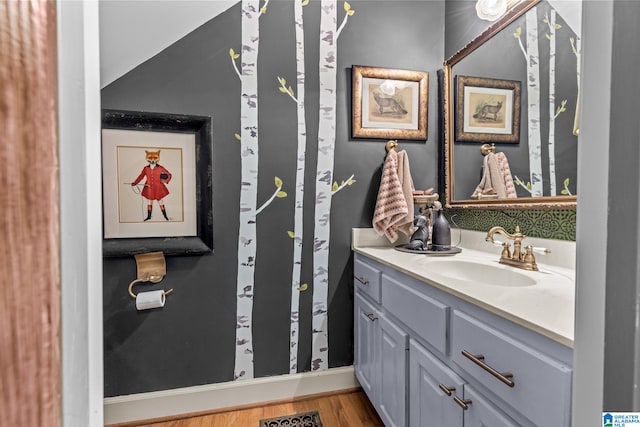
column 389, row 103
column 487, row 110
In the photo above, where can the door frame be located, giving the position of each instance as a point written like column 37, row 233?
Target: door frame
column 80, row 213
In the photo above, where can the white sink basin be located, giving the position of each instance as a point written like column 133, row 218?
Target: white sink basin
column 493, row 273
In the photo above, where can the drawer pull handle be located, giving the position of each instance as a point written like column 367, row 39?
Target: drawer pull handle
column 478, row 359
column 446, row 390
column 464, row 404
column 362, row 280
column 372, row 317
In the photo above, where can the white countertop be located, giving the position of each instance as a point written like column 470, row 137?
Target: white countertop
column 547, row 307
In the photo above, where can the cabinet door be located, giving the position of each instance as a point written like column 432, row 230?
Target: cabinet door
column 366, row 332
column 392, row 351
column 540, row 387
column 432, row 386
column 482, row 413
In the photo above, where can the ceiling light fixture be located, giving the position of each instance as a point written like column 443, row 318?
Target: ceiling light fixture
column 491, row 10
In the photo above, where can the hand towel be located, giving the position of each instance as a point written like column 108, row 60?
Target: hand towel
column 484, row 186
column 391, row 205
column 497, row 179
column 503, row 165
column 492, row 181
column 405, row 225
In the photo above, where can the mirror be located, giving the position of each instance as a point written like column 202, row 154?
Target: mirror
column 510, row 104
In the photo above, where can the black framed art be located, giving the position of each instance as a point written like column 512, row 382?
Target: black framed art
column 156, row 183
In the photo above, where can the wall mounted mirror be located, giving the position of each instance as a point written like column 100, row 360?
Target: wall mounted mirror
column 510, row 111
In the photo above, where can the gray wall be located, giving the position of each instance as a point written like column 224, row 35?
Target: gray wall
column 462, row 25
column 191, row 340
column 607, row 351
column 592, row 235
column 623, row 252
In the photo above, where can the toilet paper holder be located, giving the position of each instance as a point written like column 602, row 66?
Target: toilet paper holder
column 151, row 268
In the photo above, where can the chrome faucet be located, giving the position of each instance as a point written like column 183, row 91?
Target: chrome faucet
column 525, row 260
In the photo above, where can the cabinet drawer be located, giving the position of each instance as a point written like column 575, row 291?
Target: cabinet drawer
column 425, row 315
column 366, row 279
column 541, row 389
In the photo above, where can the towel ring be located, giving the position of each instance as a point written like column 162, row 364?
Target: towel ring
column 141, row 281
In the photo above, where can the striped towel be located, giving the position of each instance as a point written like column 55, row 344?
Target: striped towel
column 496, row 178
column 503, row 165
column 492, row 181
column 394, row 209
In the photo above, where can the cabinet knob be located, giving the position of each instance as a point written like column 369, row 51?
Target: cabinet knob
column 446, row 390
column 372, row 317
column 464, row 404
column 362, row 280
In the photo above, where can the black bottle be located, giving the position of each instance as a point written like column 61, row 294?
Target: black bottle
column 441, row 233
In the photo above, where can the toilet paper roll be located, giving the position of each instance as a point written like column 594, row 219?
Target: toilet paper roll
column 150, row 299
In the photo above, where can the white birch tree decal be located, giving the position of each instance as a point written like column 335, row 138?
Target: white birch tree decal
column 526, row 185
column 297, row 233
column 248, row 187
column 551, row 23
column 532, row 58
column 565, row 190
column 576, row 48
column 248, row 137
column 325, row 185
column 554, row 112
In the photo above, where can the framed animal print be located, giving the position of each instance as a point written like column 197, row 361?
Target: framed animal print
column 389, row 103
column 156, row 183
column 487, row 110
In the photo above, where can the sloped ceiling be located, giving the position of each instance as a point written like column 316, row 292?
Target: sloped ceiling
column 132, row 31
column 571, row 12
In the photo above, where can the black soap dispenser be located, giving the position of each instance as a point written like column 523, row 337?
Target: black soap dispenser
column 441, row 233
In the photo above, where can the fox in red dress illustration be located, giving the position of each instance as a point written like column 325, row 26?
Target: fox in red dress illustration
column 155, row 188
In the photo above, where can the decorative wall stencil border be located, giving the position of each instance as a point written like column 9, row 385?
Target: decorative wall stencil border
column 549, row 224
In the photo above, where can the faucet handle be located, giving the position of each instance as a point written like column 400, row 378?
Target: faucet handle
column 529, row 257
column 541, row 250
column 506, row 253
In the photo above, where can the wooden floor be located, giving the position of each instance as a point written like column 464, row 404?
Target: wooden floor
column 351, row 409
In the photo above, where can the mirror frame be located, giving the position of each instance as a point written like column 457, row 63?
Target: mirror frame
column 547, row 202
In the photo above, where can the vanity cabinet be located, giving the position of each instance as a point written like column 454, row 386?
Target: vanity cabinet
column 381, row 354
column 426, row 357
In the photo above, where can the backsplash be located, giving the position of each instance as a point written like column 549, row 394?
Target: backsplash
column 548, row 224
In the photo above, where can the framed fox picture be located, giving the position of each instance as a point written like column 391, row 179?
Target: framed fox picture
column 389, row 103
column 156, row 183
column 487, row 110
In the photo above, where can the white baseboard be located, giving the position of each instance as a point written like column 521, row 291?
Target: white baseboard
column 210, row 397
